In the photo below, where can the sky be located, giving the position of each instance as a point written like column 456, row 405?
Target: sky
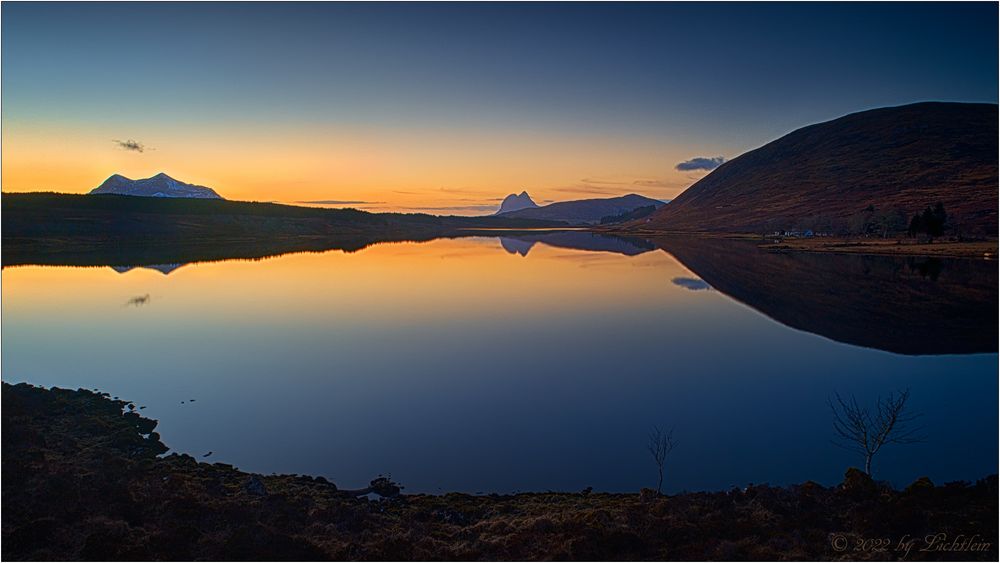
column 447, row 108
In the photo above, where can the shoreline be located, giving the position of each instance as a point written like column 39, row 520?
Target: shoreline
column 893, row 246
column 88, row 251
column 986, row 250
column 84, row 479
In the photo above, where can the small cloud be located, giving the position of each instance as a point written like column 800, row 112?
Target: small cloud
column 694, row 284
column 131, row 145
column 138, row 301
column 701, row 163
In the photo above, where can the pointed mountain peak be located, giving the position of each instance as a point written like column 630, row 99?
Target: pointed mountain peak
column 516, row 202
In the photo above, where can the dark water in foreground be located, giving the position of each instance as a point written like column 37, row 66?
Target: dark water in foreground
column 527, row 362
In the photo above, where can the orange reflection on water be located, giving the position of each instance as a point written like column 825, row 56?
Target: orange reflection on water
column 387, row 283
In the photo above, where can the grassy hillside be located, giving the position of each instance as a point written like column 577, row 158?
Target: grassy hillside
column 880, row 165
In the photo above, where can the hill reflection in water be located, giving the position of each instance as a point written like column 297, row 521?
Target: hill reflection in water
column 459, row 366
column 906, row 305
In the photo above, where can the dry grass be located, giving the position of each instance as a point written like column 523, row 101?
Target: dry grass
column 904, row 158
column 80, row 481
column 888, row 247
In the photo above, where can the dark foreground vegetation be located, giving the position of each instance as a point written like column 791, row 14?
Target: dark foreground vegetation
column 83, row 478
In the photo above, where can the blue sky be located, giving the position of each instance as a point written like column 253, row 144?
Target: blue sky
column 380, row 88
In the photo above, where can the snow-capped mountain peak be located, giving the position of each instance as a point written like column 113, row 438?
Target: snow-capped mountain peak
column 160, row 185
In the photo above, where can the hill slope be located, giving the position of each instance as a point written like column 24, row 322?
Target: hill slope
column 584, row 211
column 821, row 176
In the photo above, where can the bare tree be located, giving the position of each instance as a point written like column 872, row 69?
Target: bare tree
column 866, row 432
column 659, row 446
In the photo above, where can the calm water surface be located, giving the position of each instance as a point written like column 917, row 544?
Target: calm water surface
column 518, row 363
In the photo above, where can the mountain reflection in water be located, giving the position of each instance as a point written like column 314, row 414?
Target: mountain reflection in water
column 576, row 240
column 907, row 305
column 459, row 366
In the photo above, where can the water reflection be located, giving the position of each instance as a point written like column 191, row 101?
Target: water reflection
column 459, row 366
column 905, row 305
column 692, row 283
column 576, row 240
column 164, row 269
column 138, row 301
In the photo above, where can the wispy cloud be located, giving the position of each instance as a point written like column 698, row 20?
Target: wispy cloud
column 490, row 208
column 461, row 190
column 340, row 202
column 590, row 189
column 131, row 145
column 658, row 184
column 701, row 163
column 592, row 181
column 476, row 199
column 621, row 186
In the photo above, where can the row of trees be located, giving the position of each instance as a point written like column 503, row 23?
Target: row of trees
column 871, row 221
column 857, row 428
column 931, row 222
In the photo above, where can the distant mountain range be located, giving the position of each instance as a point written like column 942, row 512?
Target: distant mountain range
column 160, row 185
column 882, row 165
column 579, row 212
column 77, row 229
column 516, row 203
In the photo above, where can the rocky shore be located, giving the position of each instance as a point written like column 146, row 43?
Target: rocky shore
column 86, row 478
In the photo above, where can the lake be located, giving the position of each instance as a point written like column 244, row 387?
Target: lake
column 527, row 362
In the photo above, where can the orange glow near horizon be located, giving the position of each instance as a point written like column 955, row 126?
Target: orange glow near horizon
column 438, row 172
column 446, row 279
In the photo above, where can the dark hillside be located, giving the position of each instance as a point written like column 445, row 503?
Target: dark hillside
column 889, row 161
